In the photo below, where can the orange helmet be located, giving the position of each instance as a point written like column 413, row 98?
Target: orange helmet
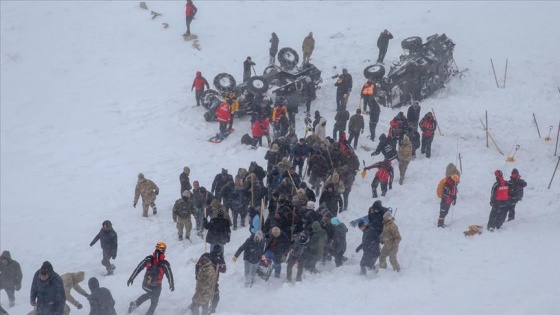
column 161, row 246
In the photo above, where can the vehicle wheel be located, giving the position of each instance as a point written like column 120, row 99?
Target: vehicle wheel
column 288, row 58
column 374, row 72
column 270, row 69
column 257, row 85
column 210, row 98
column 412, row 43
column 224, row 81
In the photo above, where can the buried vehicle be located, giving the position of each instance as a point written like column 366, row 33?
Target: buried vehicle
column 422, row 69
column 287, row 81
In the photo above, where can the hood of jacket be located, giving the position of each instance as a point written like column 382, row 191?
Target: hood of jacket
column 6, row 255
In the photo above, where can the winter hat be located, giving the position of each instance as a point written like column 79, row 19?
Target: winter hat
column 217, row 248
column 276, row 231
column 252, row 211
column 301, row 192
column 224, row 171
column 317, row 114
column 140, row 176
column 221, row 213
column 202, row 190
column 498, row 173
column 187, row 194
column 258, row 235
column 335, row 177
column 186, row 170
column 303, row 185
column 376, row 205
column 358, row 111
column 80, row 276
column 514, row 173
column 93, row 283
column 107, row 223
column 310, row 205
column 387, row 216
column 274, row 148
column 335, row 221
column 382, row 137
column 46, row 268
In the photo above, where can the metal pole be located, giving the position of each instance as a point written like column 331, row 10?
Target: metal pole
column 536, row 124
column 557, row 136
column 487, row 145
column 554, row 172
column 505, row 74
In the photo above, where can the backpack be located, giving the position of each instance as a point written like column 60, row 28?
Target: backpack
column 247, row 139
column 439, row 190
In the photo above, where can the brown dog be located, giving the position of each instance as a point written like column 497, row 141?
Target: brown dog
column 473, row 230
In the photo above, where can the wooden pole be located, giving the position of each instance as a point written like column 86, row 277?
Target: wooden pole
column 261, row 218
column 557, row 136
column 486, row 128
column 493, row 70
column 505, row 74
column 536, row 124
column 437, row 124
column 491, row 138
column 554, row 172
column 460, row 164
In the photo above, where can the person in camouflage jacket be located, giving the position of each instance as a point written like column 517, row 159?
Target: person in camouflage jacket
column 10, row 276
column 182, row 211
column 148, row 190
column 205, row 282
column 71, row 281
column 390, row 238
column 404, row 157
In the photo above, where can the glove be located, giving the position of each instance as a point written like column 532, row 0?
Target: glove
column 390, row 186
column 80, row 306
column 357, row 249
column 157, row 192
column 234, row 259
column 18, row 287
column 134, row 204
column 33, row 303
column 172, row 288
column 129, row 282
column 91, row 244
column 87, row 295
column 362, row 131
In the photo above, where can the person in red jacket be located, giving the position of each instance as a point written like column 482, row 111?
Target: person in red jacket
column 448, row 197
column 384, row 176
column 428, row 126
column 257, row 133
column 190, row 12
column 198, row 85
column 499, row 201
column 265, row 127
column 223, row 114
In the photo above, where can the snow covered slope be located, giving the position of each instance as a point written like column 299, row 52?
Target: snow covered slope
column 94, row 92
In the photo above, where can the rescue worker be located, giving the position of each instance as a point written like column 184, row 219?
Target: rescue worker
column 148, row 190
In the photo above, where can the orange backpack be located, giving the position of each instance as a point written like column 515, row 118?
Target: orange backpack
column 439, row 190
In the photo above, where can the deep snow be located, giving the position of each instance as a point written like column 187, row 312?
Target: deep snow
column 94, row 92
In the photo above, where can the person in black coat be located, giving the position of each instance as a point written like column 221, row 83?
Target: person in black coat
column 342, row 89
column 219, row 182
column 274, row 41
column 370, row 246
column 240, row 198
column 252, row 249
column 247, row 64
column 216, row 256
column 299, row 254
column 219, row 231
column 331, row 199
column 277, row 245
column 516, row 187
column 337, row 247
column 387, row 146
column 413, row 115
column 375, row 216
column 383, row 44
column 308, row 192
column 309, row 95
column 47, row 291
column 109, row 245
column 341, row 119
column 184, row 179
column 101, row 301
column 301, row 153
column 374, row 112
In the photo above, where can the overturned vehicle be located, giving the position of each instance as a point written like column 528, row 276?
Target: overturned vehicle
column 422, row 69
column 288, row 81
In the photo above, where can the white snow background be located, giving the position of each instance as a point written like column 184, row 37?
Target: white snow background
column 94, row 92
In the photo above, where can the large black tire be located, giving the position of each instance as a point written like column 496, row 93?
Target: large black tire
column 257, row 85
column 270, row 69
column 224, row 82
column 209, row 98
column 374, row 72
column 412, row 44
column 288, row 58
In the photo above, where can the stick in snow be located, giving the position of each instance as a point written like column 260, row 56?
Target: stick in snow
column 554, row 172
column 491, row 138
column 493, row 70
column 536, row 124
